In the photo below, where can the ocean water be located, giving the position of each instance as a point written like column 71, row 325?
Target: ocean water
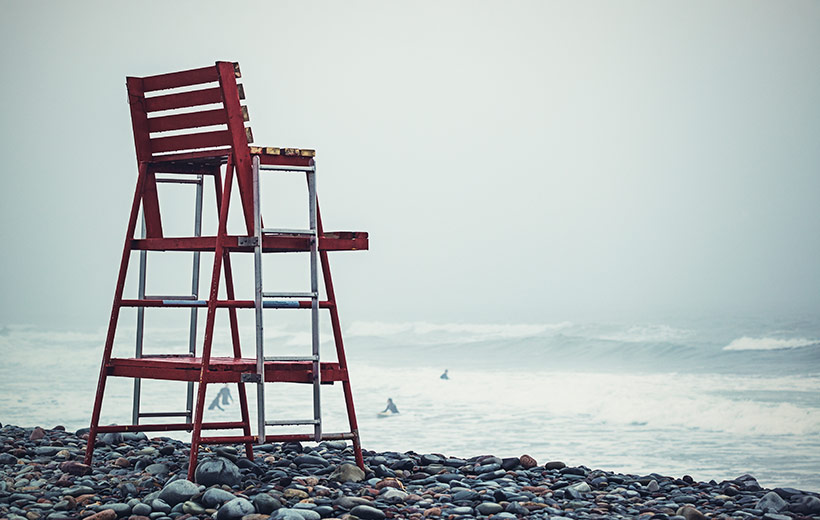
column 713, row 399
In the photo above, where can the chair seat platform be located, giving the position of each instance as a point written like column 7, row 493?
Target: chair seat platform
column 221, row 369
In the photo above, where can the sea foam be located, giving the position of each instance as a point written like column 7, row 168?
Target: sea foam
column 747, row 343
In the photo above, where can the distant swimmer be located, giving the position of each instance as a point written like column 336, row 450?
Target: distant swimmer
column 390, row 407
column 444, row 375
column 225, row 395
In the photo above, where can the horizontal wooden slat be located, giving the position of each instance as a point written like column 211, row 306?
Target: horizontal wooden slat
column 328, row 241
column 190, row 120
column 193, row 98
column 190, row 141
column 180, row 79
column 222, row 369
column 183, row 99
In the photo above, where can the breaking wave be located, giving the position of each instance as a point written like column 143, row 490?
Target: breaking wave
column 747, row 343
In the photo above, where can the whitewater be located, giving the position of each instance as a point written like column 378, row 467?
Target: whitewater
column 710, row 398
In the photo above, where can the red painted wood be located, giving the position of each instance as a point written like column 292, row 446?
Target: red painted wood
column 190, row 141
column 330, row 241
column 150, row 206
column 210, row 318
column 340, row 349
column 180, row 79
column 115, row 314
column 286, row 160
column 232, row 315
column 166, row 427
column 221, row 369
column 236, row 126
column 205, row 96
column 222, row 304
column 189, row 120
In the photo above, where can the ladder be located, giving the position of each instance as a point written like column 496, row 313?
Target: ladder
column 267, row 300
column 136, row 413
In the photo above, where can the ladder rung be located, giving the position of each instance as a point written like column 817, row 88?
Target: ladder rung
column 228, row 439
column 164, row 414
column 281, row 304
column 291, row 358
column 186, row 303
column 166, row 297
column 292, row 422
column 290, row 295
column 283, row 231
column 285, row 168
column 178, row 181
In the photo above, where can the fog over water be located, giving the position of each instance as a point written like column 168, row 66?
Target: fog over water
column 569, row 204
column 532, row 162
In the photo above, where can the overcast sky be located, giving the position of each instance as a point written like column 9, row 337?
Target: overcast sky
column 512, row 161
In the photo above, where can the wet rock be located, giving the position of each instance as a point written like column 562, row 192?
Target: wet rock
column 7, row 458
column 235, row 509
column 347, row 502
column 690, row 513
column 527, row 462
column 310, row 460
column 489, row 508
column 394, row 495
column 219, row 471
column 141, row 509
column 347, row 473
column 177, row 492
column 75, row 468
column 106, row 514
column 37, row 434
column 215, row 497
column 771, row 503
column 286, row 514
column 805, row 505
column 367, row 512
column 555, row 465
column 192, row 508
column 775, row 516
column 265, row 503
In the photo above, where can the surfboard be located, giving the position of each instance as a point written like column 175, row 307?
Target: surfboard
column 382, row 415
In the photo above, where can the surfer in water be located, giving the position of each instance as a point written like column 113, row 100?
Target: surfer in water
column 225, row 395
column 444, row 375
column 391, row 407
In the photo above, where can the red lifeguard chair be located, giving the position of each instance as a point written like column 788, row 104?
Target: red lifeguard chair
column 166, row 112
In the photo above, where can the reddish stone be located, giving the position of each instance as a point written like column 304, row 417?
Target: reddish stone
column 105, row 514
column 122, row 462
column 389, row 482
column 65, row 480
column 37, row 434
column 84, row 500
column 527, row 462
column 433, row 511
column 75, row 468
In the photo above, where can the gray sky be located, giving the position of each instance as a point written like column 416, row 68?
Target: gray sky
column 512, row 161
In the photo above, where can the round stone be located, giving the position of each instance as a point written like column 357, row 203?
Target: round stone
column 177, row 492
column 218, row 471
column 235, row 509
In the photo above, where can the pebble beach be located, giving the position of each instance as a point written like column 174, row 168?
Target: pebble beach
column 137, row 477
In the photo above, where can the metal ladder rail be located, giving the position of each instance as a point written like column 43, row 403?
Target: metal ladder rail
column 259, row 295
column 195, row 270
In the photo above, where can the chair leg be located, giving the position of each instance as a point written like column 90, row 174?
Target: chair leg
column 115, row 313
column 209, row 323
